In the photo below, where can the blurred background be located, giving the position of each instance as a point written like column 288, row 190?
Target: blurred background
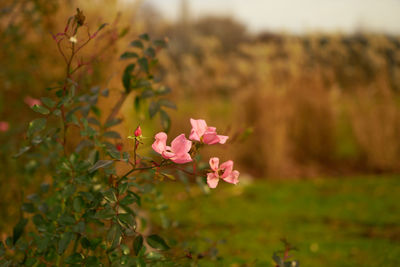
column 305, row 89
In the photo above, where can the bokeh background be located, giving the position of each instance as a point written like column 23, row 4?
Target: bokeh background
column 307, row 90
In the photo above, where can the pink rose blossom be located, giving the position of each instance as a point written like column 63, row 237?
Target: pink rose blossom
column 4, row 126
column 30, row 101
column 178, row 152
column 224, row 172
column 207, row 135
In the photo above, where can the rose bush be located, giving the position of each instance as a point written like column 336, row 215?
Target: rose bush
column 88, row 211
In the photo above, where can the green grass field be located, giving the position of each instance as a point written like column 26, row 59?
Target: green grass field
column 332, row 222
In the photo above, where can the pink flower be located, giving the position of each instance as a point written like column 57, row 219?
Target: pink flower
column 178, row 152
column 138, row 131
column 207, row 135
column 224, row 172
column 32, row 101
column 4, row 126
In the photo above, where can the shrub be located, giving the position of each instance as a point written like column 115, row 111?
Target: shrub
column 87, row 210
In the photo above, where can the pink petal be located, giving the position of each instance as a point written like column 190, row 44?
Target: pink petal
column 159, row 145
column 222, row 139
column 214, row 162
column 211, row 130
column 199, row 127
column 233, row 178
column 210, row 138
column 182, row 158
column 212, row 180
column 180, row 145
column 227, row 167
column 167, row 155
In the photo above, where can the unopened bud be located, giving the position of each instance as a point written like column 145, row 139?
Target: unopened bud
column 138, row 131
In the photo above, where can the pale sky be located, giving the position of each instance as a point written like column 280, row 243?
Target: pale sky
column 297, row 16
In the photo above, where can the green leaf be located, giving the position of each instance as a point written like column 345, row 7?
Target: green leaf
column 36, row 125
column 114, row 235
column 147, row 93
column 78, row 204
column 110, row 196
column 74, row 259
column 105, row 92
column 40, row 109
column 136, row 196
column 160, row 43
column 92, row 261
column 163, row 90
column 150, row 52
column 137, row 43
column 2, row 249
column 68, row 190
column 38, row 220
column 143, row 64
column 100, row 164
column 122, row 187
column 85, row 243
column 137, row 244
column 144, row 36
column 105, row 214
column 128, row 55
column 157, row 242
column 165, row 120
column 28, row 207
column 66, row 219
column 18, row 230
column 166, row 103
column 169, row 176
column 64, row 242
column 126, row 219
column 57, row 112
column 112, row 134
column 48, row 102
column 126, row 77
column 112, row 122
column 102, row 26
column 154, row 107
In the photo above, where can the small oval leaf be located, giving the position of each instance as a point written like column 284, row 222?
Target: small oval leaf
column 157, row 242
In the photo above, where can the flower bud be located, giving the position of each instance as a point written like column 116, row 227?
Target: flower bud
column 4, row 126
column 138, row 131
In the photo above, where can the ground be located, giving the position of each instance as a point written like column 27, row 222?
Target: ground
column 332, row 221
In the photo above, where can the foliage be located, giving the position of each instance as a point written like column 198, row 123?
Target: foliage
column 87, row 210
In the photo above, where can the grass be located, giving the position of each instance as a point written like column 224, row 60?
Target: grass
column 332, row 222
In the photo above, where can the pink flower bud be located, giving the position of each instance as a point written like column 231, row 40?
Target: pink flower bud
column 119, row 147
column 4, row 126
column 30, row 101
column 138, row 131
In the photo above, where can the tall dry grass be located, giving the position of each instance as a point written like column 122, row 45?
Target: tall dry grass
column 318, row 105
